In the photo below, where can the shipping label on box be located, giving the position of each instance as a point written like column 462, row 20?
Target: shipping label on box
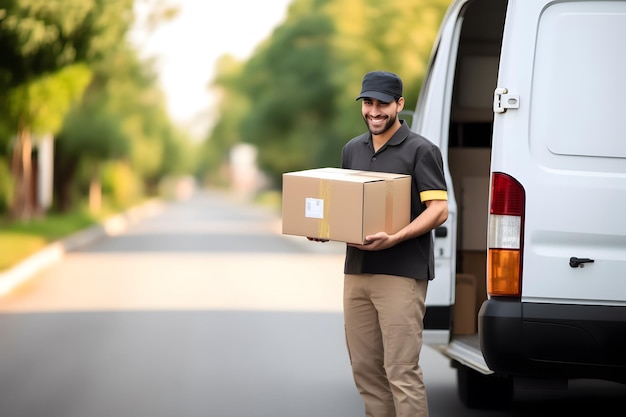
column 344, row 205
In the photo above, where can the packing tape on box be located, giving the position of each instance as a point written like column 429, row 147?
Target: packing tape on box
column 389, row 206
column 323, row 227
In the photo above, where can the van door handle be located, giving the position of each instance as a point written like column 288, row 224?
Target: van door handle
column 575, row 262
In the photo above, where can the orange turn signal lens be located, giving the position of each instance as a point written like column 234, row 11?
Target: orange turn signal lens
column 504, row 274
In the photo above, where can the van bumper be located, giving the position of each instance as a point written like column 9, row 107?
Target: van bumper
column 553, row 340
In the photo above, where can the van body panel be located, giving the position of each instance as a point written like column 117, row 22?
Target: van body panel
column 568, row 151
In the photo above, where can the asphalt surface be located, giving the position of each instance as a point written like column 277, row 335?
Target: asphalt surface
column 199, row 308
column 203, row 308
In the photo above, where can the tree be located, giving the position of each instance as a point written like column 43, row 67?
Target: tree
column 120, row 121
column 39, row 107
column 233, row 106
column 294, row 99
column 291, row 85
column 39, row 38
column 91, row 134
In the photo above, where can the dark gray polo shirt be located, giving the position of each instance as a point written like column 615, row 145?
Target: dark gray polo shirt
column 405, row 153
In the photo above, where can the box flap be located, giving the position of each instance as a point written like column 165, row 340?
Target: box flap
column 350, row 175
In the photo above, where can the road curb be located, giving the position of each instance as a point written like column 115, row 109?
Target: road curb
column 29, row 267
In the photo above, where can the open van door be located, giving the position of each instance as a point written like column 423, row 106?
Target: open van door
column 455, row 111
column 431, row 120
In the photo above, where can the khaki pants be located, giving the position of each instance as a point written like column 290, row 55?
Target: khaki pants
column 383, row 317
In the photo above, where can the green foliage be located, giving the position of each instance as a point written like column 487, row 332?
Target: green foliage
column 6, row 135
column 94, row 132
column 181, row 154
column 121, row 122
column 120, row 184
column 295, row 97
column 42, row 103
column 293, row 93
column 18, row 247
column 39, row 36
column 18, row 240
column 42, row 46
column 6, row 186
column 225, row 134
column 128, row 88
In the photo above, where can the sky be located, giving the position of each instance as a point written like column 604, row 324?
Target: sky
column 188, row 47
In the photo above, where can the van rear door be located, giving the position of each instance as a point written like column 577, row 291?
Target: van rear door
column 564, row 67
column 431, row 120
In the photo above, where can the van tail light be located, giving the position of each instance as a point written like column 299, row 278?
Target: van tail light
column 506, row 226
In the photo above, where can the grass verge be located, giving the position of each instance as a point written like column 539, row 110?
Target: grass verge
column 20, row 239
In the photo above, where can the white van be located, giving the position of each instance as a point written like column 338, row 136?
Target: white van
column 526, row 99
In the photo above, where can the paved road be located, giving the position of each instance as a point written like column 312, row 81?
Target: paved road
column 203, row 310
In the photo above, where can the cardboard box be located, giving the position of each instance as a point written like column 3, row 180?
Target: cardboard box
column 465, row 305
column 344, row 205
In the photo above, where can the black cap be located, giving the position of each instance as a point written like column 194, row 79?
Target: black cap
column 381, row 85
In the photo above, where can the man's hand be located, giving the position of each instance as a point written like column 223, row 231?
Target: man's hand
column 378, row 241
column 435, row 214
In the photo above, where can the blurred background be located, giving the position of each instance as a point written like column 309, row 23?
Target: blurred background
column 190, row 110
column 106, row 103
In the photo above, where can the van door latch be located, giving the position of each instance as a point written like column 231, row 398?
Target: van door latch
column 502, row 100
column 575, row 262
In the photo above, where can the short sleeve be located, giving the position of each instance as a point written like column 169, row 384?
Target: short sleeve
column 429, row 175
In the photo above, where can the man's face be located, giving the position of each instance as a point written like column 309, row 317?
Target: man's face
column 379, row 116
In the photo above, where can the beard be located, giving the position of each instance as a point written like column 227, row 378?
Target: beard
column 379, row 129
